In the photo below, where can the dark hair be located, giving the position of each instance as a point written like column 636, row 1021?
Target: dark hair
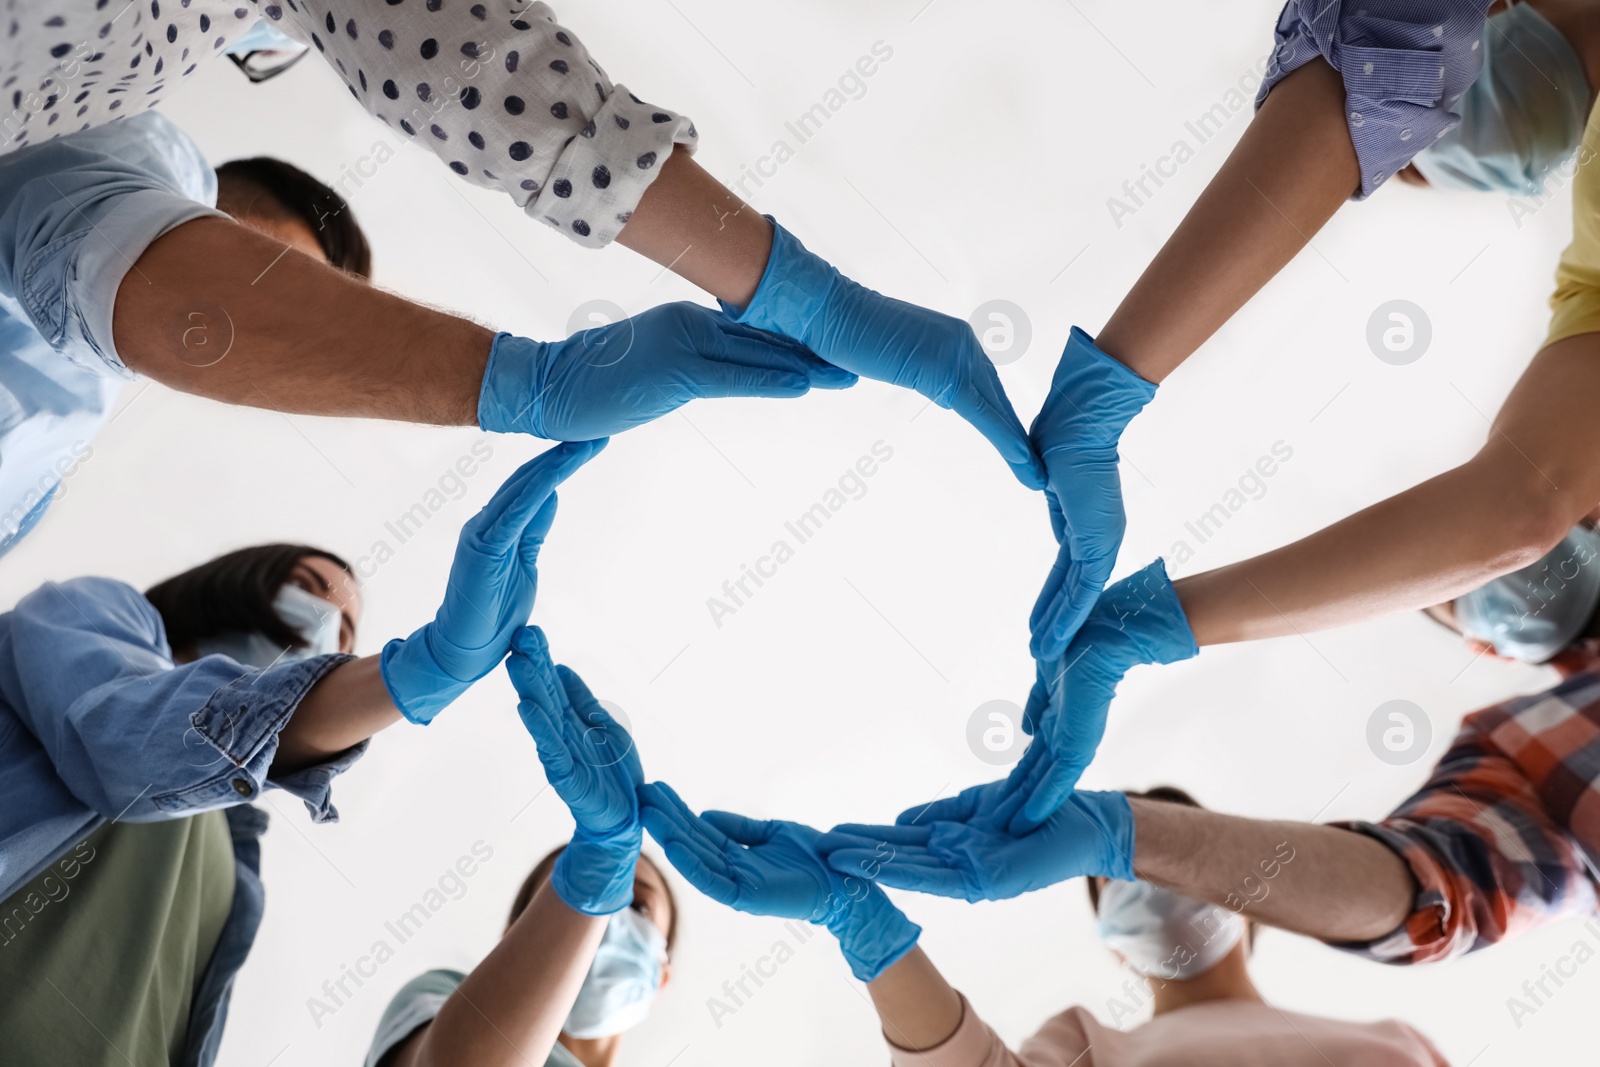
column 325, row 213
column 541, row 874
column 1167, row 794
column 233, row 594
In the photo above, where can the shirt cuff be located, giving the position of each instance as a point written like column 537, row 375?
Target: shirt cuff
column 104, row 257
column 240, row 724
column 1425, row 935
column 602, row 173
column 972, row 1042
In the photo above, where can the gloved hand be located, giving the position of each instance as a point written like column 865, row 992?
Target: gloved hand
column 613, row 378
column 850, row 326
column 592, row 764
column 1092, row 399
column 490, row 590
column 1137, row 620
column 772, row 868
column 1092, row 834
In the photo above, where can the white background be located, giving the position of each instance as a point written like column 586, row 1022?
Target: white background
column 977, row 165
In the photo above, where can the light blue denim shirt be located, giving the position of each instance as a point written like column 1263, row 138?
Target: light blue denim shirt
column 75, row 213
column 97, row 723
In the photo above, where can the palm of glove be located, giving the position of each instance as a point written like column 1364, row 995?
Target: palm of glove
column 616, row 377
column 589, row 759
column 754, row 866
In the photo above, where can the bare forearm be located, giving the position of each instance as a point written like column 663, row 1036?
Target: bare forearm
column 510, row 1010
column 218, row 309
column 1288, row 175
column 1533, row 480
column 689, row 223
column 348, row 705
column 917, row 1007
column 1328, row 883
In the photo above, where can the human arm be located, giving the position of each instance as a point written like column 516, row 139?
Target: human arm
column 513, row 1006
column 1503, row 509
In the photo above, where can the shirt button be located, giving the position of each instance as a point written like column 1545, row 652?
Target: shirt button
column 242, row 787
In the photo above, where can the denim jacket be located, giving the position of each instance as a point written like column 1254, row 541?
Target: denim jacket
column 97, row 723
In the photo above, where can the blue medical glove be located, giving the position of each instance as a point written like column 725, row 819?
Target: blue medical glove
column 613, row 378
column 592, row 764
column 1092, row 834
column 772, row 868
column 1137, row 620
column 1092, row 399
column 489, row 593
column 851, row 326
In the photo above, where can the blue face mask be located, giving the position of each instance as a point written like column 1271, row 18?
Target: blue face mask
column 1522, row 118
column 1533, row 613
column 622, row 980
column 313, row 618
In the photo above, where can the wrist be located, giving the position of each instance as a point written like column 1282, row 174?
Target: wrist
column 416, row 684
column 1103, row 394
column 872, row 933
column 1146, row 608
column 511, row 397
column 594, row 874
column 1111, row 818
column 793, row 293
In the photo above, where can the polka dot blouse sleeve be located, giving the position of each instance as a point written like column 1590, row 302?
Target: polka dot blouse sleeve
column 505, row 96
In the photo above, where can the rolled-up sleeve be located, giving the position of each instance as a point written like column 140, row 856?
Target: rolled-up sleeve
column 1405, row 65
column 506, row 97
column 135, row 737
column 76, row 213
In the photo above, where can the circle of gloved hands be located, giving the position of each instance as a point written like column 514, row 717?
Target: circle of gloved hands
column 809, row 326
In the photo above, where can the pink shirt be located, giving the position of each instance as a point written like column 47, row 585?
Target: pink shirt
column 1224, row 1033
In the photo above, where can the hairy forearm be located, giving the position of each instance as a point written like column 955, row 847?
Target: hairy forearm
column 348, row 705
column 1533, row 480
column 218, row 309
column 1323, row 881
column 917, row 1007
column 1284, row 180
column 510, row 1010
column 689, row 223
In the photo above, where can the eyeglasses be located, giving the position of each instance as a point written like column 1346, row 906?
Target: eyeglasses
column 264, row 63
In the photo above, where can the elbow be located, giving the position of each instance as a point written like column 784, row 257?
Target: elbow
column 1525, row 514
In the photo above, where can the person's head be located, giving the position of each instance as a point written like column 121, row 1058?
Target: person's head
column 261, row 605
column 1164, row 935
column 289, row 205
column 634, row 961
column 1547, row 608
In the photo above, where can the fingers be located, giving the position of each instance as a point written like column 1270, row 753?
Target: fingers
column 529, row 650
column 987, row 408
column 712, row 883
column 958, row 808
column 1075, row 595
column 1054, row 789
column 739, row 828
column 930, row 876
column 750, row 347
column 855, row 835
column 515, row 504
column 716, row 380
column 669, row 820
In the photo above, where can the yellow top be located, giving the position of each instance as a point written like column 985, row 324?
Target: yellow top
column 1575, row 306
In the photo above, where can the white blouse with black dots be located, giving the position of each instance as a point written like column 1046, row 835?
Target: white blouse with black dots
column 500, row 92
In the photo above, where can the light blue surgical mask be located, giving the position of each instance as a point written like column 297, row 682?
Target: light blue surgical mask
column 1165, row 934
column 623, row 979
column 1533, row 613
column 263, row 36
column 1522, row 118
column 313, row 618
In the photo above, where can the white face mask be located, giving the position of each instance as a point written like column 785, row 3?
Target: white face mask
column 313, row 618
column 622, row 980
column 1163, row 934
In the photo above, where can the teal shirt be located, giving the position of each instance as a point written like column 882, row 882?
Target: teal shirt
column 418, row 1001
